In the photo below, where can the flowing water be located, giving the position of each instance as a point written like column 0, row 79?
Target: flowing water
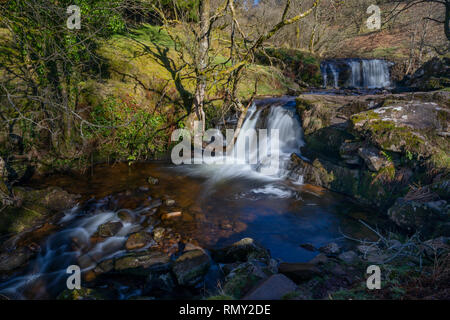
column 357, row 73
column 220, row 204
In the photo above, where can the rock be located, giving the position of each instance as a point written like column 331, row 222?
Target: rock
column 298, row 272
column 158, row 234
column 104, row 266
column 373, row 158
column 330, row 249
column 171, row 215
column 138, row 240
column 152, row 180
column 191, row 267
column 377, row 258
column 349, row 257
column 142, row 263
column 10, row 261
column 82, row 294
column 109, row 229
column 125, row 216
column 242, row 250
column 170, row 202
column 434, row 247
column 432, row 75
column 308, row 246
column 161, row 282
column 425, row 218
column 367, row 249
column 273, row 288
column 319, row 259
column 244, row 277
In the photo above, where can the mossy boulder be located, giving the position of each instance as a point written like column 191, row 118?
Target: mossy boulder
column 423, row 217
column 142, row 263
column 191, row 267
column 432, row 75
column 241, row 251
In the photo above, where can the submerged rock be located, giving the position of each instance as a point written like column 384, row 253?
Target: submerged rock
column 152, row 180
column 138, row 240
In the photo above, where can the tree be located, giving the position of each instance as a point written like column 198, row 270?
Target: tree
column 42, row 62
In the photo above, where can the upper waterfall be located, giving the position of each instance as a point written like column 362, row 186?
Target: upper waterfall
column 356, row 73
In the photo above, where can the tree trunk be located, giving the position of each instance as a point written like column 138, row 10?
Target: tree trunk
column 202, row 60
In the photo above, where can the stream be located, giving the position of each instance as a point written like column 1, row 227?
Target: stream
column 220, row 204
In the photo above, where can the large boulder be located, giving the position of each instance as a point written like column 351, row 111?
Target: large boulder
column 191, row 267
column 275, row 287
column 433, row 75
column 242, row 251
column 243, row 277
column 425, row 217
column 11, row 261
column 143, row 263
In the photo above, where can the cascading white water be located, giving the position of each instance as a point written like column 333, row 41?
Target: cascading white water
column 259, row 155
column 355, row 78
column 375, row 74
column 357, row 73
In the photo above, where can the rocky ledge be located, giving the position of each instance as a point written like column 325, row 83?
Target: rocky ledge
column 385, row 151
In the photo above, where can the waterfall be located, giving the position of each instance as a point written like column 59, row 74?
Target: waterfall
column 375, row 74
column 357, row 73
column 260, row 154
column 355, row 79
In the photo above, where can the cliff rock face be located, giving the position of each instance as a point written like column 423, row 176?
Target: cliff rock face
column 374, row 147
column 433, row 75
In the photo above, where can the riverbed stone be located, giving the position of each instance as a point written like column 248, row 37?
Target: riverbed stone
column 171, row 215
column 191, row 267
column 109, row 229
column 138, row 240
column 273, row 288
column 243, row 250
column 158, row 234
column 152, row 180
column 170, row 202
column 10, row 261
column 125, row 216
column 143, row 263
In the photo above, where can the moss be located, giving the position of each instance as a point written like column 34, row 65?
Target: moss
column 15, row 220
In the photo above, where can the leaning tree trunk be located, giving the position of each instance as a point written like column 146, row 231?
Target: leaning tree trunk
column 202, row 61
